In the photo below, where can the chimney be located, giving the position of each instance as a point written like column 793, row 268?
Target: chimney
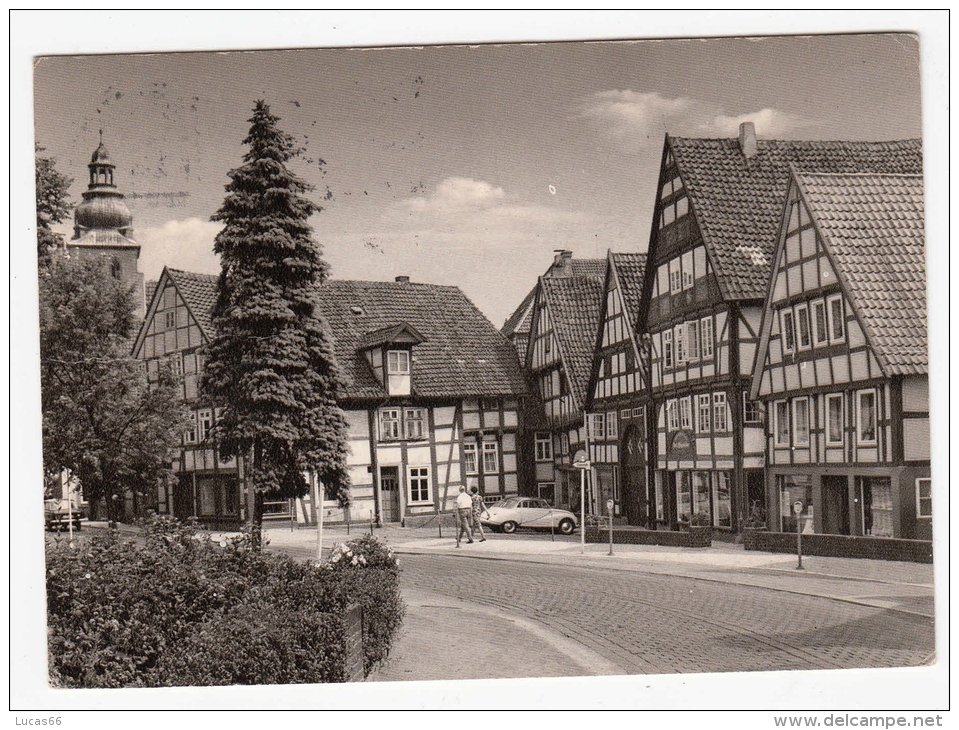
column 402, row 280
column 747, row 139
column 562, row 265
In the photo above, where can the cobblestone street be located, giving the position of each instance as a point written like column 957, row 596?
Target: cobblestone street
column 638, row 623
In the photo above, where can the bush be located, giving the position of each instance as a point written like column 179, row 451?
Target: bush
column 175, row 608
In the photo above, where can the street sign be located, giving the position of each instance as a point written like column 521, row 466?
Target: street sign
column 580, row 461
column 797, row 507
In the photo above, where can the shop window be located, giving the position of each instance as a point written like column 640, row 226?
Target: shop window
column 490, row 457
column 866, row 416
column 701, row 496
column 795, row 488
column 924, row 498
column 801, row 421
column 419, row 484
column 720, row 413
column 875, row 499
column 835, row 421
column 684, row 495
column 782, row 423
column 544, row 446
column 722, row 506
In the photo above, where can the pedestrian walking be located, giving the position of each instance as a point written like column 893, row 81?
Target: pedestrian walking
column 464, row 516
column 479, row 507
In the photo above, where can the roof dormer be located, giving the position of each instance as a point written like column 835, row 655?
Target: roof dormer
column 389, row 351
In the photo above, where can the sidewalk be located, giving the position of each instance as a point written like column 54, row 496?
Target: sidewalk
column 899, row 586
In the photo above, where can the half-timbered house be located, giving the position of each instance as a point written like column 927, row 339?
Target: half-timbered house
column 563, row 326
column 616, row 404
column 433, row 399
column 843, row 364
column 717, row 215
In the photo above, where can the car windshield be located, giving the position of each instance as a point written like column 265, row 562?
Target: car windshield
column 508, row 503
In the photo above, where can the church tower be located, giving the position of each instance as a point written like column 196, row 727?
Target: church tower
column 103, row 227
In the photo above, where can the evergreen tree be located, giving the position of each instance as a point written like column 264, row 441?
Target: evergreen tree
column 271, row 366
column 53, row 204
column 101, row 419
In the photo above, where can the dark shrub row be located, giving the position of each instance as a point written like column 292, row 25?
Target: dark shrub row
column 174, row 608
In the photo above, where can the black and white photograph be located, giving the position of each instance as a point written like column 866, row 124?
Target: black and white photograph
column 480, row 360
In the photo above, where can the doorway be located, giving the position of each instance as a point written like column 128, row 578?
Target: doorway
column 390, row 493
column 635, row 502
column 835, row 505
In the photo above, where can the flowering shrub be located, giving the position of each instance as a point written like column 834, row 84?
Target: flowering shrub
column 174, row 607
column 369, row 573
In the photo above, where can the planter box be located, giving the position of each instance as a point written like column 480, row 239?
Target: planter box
column 694, row 537
column 840, row 546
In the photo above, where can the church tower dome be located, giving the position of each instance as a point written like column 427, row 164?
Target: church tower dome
column 103, row 208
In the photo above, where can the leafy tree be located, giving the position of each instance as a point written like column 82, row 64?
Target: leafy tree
column 271, row 365
column 101, row 419
column 53, row 204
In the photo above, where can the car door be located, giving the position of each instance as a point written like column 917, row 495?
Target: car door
column 535, row 513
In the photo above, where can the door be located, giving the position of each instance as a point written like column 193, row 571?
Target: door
column 390, row 493
column 835, row 505
column 534, row 513
column 635, row 501
column 183, row 497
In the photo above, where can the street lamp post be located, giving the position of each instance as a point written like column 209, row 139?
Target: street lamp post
column 581, row 462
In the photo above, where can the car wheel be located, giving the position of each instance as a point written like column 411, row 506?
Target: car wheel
column 509, row 527
column 566, row 526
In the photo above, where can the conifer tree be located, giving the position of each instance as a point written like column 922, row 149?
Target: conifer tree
column 271, row 366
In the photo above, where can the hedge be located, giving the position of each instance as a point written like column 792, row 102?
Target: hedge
column 175, row 608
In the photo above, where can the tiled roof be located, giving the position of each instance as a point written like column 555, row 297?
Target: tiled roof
column 630, row 269
column 521, row 320
column 462, row 353
column 199, row 293
column 873, row 226
column 575, row 304
column 737, row 201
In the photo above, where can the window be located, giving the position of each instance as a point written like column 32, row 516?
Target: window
column 204, row 424
column 795, row 488
column 752, row 410
column 668, row 348
column 176, row 365
column 692, row 339
column 189, row 436
column 414, row 423
column 782, row 423
column 866, row 416
column 722, row 505
column 705, row 409
column 685, row 413
column 706, row 333
column 544, row 446
column 720, row 414
column 597, row 426
column 802, row 321
column 398, row 362
column 837, row 321
column 675, row 280
column 687, row 278
column 612, row 427
column 469, row 458
column 875, row 500
column 680, row 344
column 169, row 320
column 788, row 330
column 547, row 385
column 819, row 322
column 672, row 415
column 835, row 423
column 389, row 424
column 625, row 413
column 924, row 498
column 490, row 457
column 801, row 421
column 419, row 484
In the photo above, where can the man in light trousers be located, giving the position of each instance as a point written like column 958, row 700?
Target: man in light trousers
column 464, row 516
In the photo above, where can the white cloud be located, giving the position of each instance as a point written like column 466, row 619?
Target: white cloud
column 635, row 119
column 458, row 194
column 179, row 244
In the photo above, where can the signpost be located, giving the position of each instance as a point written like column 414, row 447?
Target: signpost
column 797, row 508
column 609, row 511
column 581, row 462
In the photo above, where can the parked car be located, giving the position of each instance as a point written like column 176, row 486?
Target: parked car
column 56, row 513
column 513, row 512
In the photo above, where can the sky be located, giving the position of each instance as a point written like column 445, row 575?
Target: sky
column 465, row 165
column 462, row 165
